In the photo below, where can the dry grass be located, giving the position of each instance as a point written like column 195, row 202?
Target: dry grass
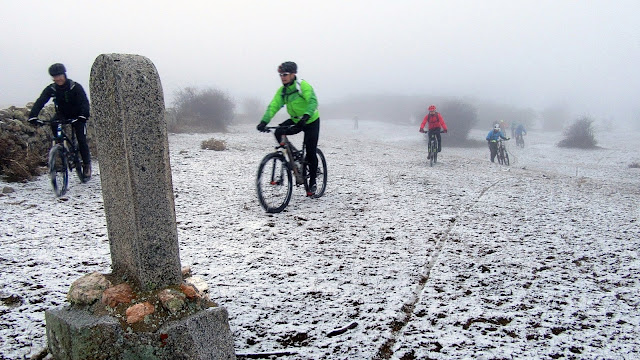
column 213, row 144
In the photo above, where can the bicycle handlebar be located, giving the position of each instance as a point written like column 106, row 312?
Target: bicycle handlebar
column 56, row 121
column 269, row 128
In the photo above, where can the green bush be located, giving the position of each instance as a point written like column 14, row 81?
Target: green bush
column 201, row 110
column 580, row 134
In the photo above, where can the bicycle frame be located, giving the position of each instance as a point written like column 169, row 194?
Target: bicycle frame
column 295, row 158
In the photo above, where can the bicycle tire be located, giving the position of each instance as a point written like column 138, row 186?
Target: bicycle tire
column 432, row 152
column 58, row 170
column 321, row 175
column 274, row 183
column 500, row 156
column 506, row 158
column 78, row 165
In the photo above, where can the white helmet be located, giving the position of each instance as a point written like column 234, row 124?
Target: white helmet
column 496, row 127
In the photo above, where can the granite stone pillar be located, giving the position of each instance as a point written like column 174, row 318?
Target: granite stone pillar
column 128, row 113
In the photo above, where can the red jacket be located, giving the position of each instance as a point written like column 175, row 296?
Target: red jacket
column 435, row 121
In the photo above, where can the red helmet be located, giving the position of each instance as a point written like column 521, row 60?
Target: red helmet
column 432, row 108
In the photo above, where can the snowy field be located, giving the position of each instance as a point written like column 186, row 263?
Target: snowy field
column 468, row 259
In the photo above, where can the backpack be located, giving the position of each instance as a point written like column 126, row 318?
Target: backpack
column 284, row 91
column 434, row 116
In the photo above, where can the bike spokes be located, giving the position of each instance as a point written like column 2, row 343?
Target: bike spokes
column 273, row 183
column 321, row 176
column 58, row 170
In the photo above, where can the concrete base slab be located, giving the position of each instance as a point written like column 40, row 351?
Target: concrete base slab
column 76, row 334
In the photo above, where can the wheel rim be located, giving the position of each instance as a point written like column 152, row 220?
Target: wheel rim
column 274, row 184
column 321, row 175
column 58, row 171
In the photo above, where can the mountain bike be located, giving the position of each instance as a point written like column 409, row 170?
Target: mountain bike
column 503, row 155
column 63, row 156
column 433, row 147
column 277, row 170
column 520, row 140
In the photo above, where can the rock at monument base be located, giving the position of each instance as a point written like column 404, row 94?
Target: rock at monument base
column 76, row 334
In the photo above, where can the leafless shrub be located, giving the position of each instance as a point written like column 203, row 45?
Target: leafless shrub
column 634, row 165
column 202, row 110
column 460, row 117
column 580, row 134
column 213, row 144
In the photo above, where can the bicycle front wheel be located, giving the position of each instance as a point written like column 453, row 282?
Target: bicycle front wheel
column 500, row 156
column 273, row 183
column 321, row 175
column 506, row 158
column 58, row 171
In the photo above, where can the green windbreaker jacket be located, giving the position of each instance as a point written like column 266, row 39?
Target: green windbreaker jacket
column 299, row 98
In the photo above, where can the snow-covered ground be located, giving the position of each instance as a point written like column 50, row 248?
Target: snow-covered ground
column 467, row 259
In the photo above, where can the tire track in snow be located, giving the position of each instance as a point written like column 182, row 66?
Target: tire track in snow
column 386, row 350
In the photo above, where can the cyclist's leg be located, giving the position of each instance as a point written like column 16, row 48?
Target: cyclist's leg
column 439, row 137
column 80, row 129
column 311, row 134
column 493, row 148
column 279, row 132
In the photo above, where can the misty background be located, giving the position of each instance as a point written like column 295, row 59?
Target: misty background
column 582, row 56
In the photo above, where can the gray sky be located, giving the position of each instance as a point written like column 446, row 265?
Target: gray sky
column 518, row 52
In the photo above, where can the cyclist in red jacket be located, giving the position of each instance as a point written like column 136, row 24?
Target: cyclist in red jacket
column 436, row 123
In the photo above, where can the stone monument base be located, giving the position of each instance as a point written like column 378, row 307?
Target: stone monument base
column 75, row 333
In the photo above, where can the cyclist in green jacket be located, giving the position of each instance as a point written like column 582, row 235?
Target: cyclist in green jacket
column 302, row 106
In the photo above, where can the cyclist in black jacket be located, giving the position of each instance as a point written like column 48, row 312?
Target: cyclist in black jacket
column 71, row 103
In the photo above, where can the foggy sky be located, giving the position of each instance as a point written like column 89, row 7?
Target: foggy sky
column 522, row 53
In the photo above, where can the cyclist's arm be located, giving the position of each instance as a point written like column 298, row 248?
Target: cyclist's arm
column 46, row 94
column 424, row 122
column 443, row 125
column 310, row 96
column 276, row 104
column 84, row 101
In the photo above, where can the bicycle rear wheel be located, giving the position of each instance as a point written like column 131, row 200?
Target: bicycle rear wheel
column 321, row 175
column 58, row 171
column 273, row 183
column 75, row 159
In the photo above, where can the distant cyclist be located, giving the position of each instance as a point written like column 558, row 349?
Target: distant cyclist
column 492, row 138
column 71, row 102
column 302, row 106
column 520, row 130
column 435, row 125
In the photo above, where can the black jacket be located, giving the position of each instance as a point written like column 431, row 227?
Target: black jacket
column 70, row 99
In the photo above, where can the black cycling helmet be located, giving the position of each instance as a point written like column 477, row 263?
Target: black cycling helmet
column 57, row 69
column 288, row 66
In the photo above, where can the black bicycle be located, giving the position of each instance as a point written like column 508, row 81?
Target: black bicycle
column 503, row 154
column 63, row 156
column 277, row 171
column 520, row 140
column 433, row 147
